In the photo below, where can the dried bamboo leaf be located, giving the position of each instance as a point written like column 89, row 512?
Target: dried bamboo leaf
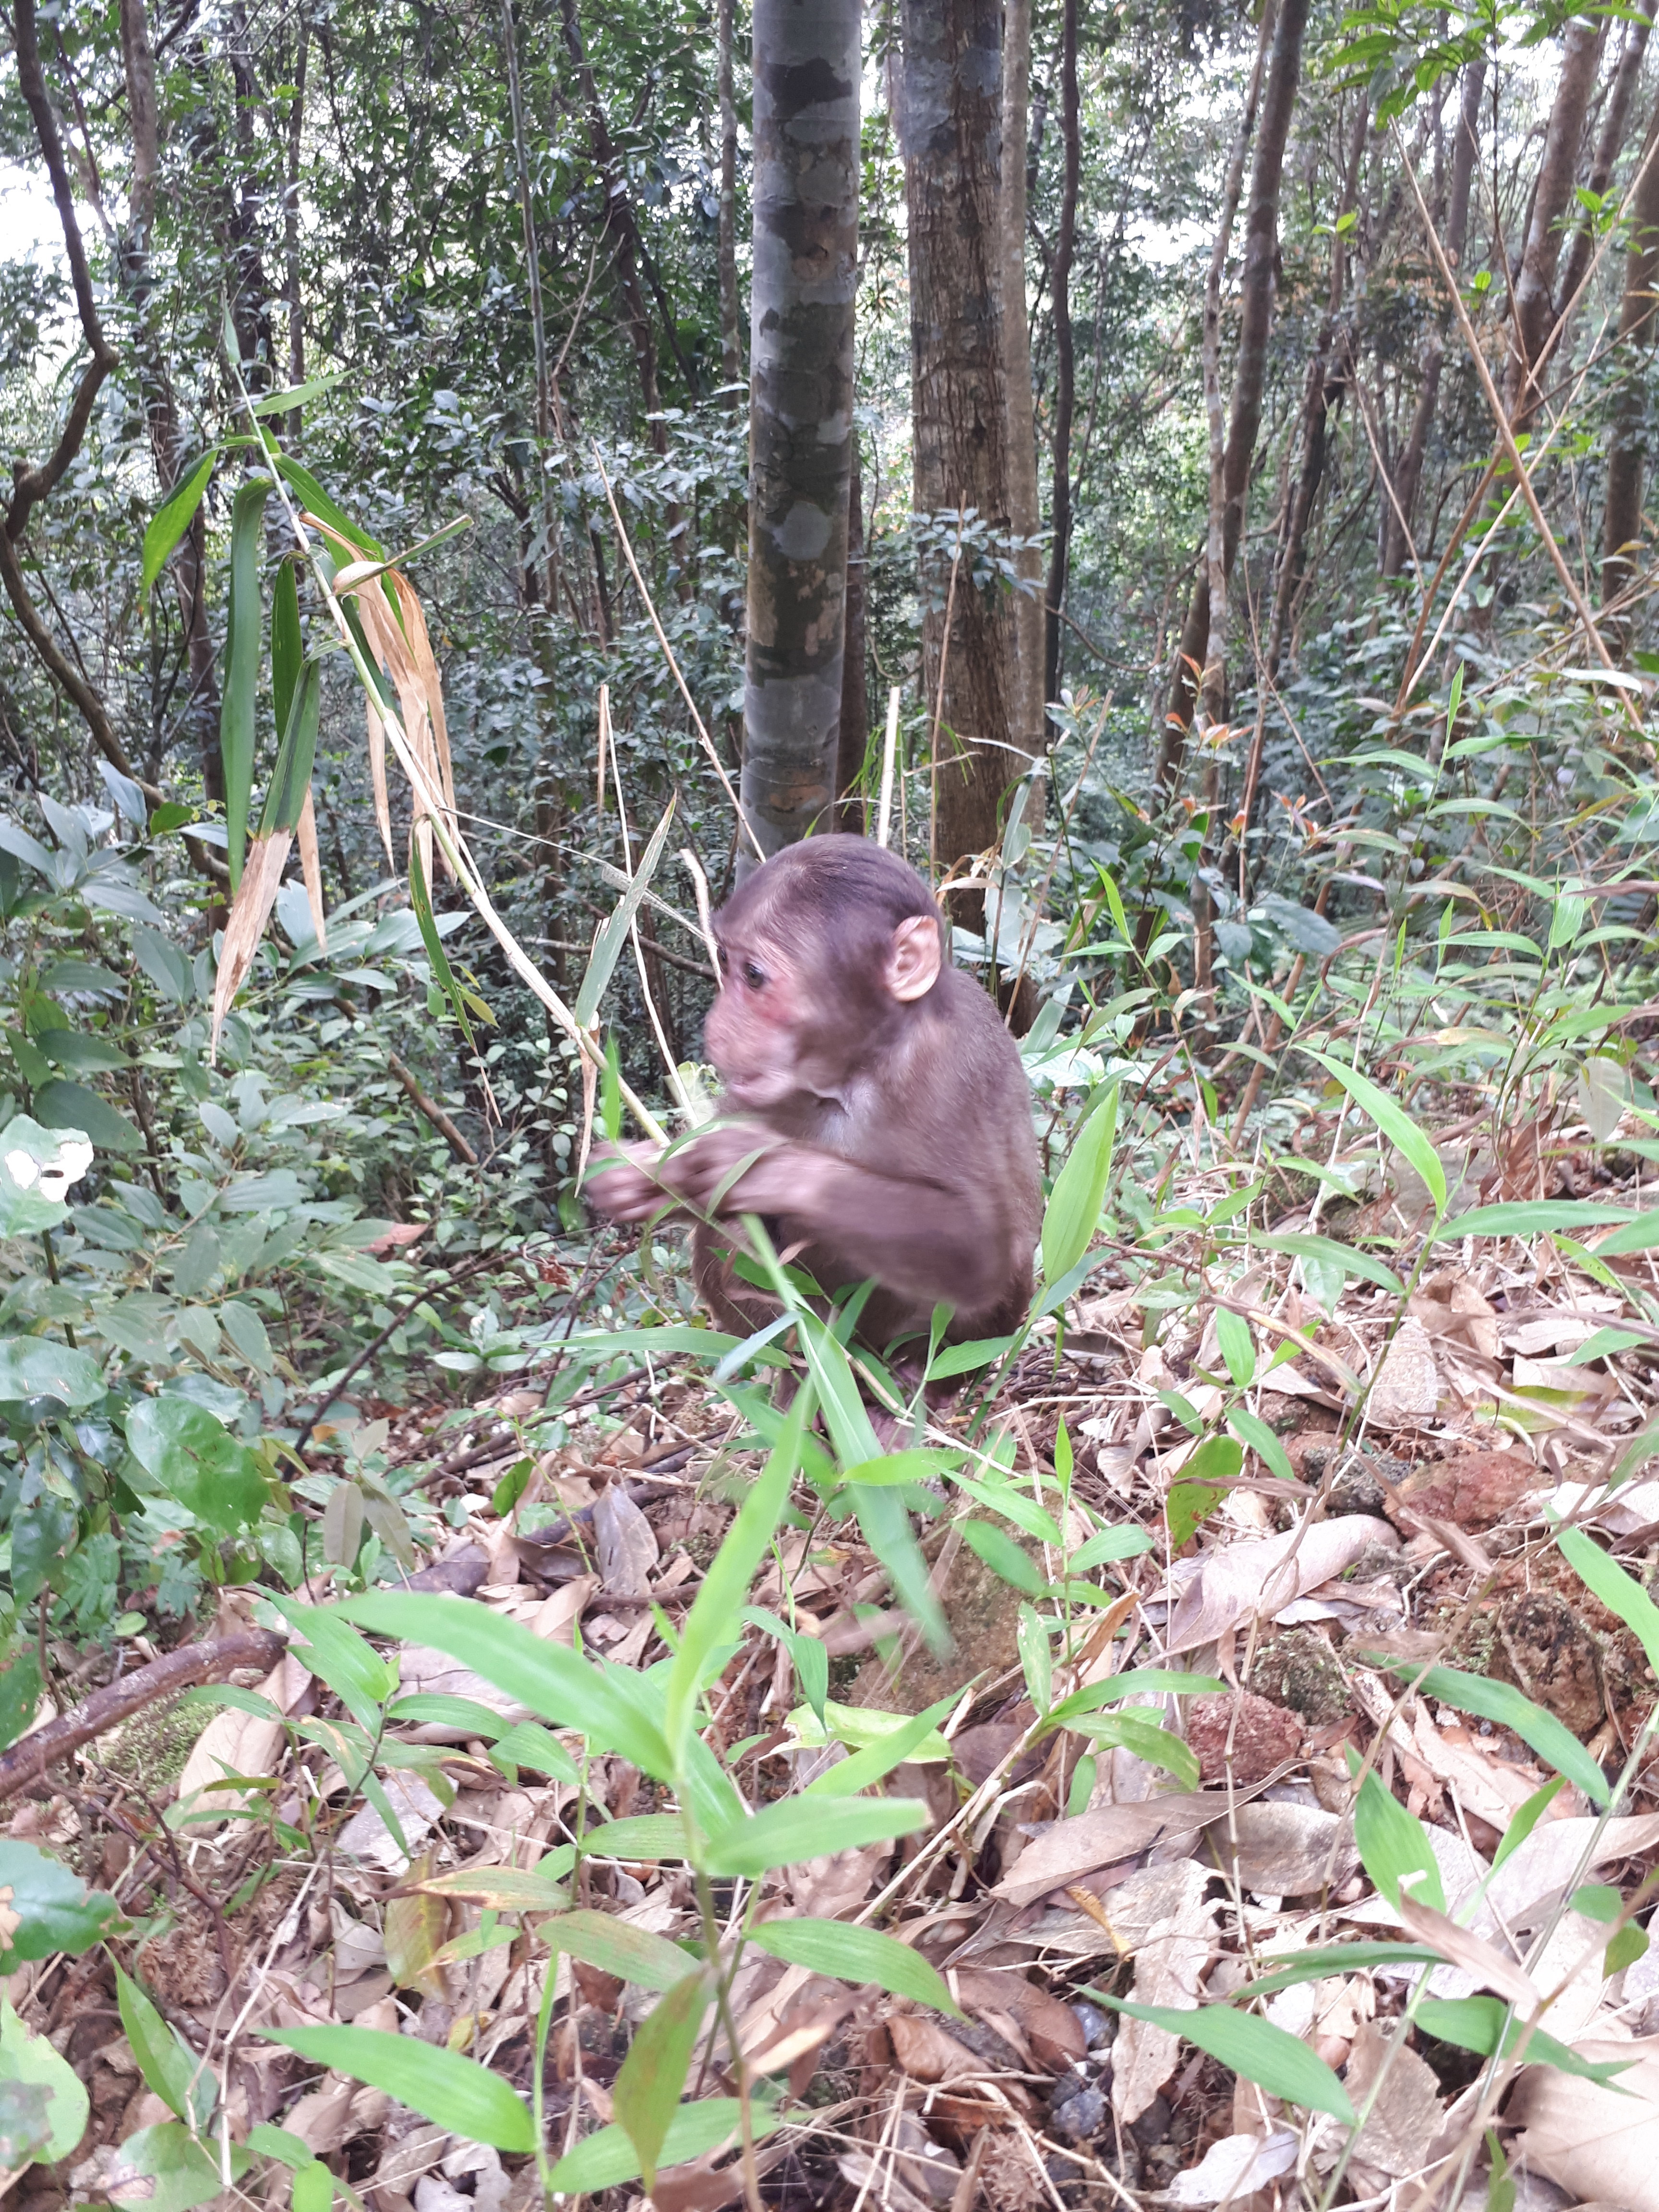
column 311, row 866
column 246, row 925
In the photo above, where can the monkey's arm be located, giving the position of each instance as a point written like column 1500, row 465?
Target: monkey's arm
column 629, row 1184
column 925, row 1239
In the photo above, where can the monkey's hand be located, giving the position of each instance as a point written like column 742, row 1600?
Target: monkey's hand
column 737, row 1167
column 627, row 1182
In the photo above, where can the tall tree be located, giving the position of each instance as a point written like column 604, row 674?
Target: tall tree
column 730, row 309
column 1534, row 316
column 1244, row 419
column 1059, row 278
column 1408, row 477
column 951, row 131
column 1027, row 725
column 1639, row 321
column 806, row 61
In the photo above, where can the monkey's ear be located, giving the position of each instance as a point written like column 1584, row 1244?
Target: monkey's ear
column 914, row 958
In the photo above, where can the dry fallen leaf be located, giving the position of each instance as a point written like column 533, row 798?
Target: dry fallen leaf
column 1072, row 1848
column 1233, row 2168
column 1403, row 2123
column 1407, row 1389
column 627, row 1545
column 1281, row 1851
column 1226, row 1587
column 1595, row 2142
column 1169, row 1968
column 927, row 2052
column 240, row 1743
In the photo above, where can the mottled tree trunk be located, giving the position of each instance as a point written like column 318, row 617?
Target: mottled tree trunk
column 806, row 61
column 1323, row 387
column 1028, row 726
column 1255, row 321
column 951, row 128
column 730, row 308
column 1408, row 477
column 1060, row 281
column 1558, row 172
column 854, row 744
column 1609, row 144
column 1639, row 320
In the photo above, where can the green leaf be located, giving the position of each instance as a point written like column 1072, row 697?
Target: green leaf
column 953, row 1359
column 1250, row 1428
column 726, row 1584
column 1276, row 2061
column 1529, row 1217
column 885, row 1523
column 529, row 1744
column 606, row 2158
column 1146, row 1738
column 287, row 651
column 1393, row 1845
column 797, row 1829
column 1348, row 1257
column 922, row 1465
column 280, row 2143
column 1108, row 1545
column 29, row 2060
column 39, row 1367
column 1476, row 2023
column 647, row 2090
column 1036, row 1658
column 57, row 1910
column 1503, row 1702
column 196, row 1460
column 1525, row 1818
column 77, row 1111
column 1620, row 1593
column 37, row 1166
column 856, row 1954
column 313, row 2188
column 420, row 899
column 167, row 2067
column 612, row 938
column 1638, row 1235
column 612, row 1706
column 1137, row 1682
column 632, row 1955
column 334, row 1651
column 165, row 2169
column 290, row 779
column 452, row 2091
column 295, row 395
column 173, row 517
column 640, row 1836
column 1005, row 1558
column 1391, row 1119
column 1073, row 1213
column 1237, row 1345
column 238, row 707
column 1334, row 1958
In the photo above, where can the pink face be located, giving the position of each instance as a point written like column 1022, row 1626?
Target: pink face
column 754, row 1029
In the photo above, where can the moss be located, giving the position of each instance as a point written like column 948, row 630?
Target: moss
column 152, row 1748
column 1298, row 1669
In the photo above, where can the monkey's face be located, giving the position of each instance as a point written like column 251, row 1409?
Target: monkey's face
column 765, row 1031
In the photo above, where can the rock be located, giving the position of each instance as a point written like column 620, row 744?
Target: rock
column 1098, row 2028
column 1081, row 2116
column 1263, row 1735
column 1473, row 1491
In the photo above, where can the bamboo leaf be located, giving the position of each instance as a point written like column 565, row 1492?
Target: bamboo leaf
column 647, row 2090
column 420, row 899
column 856, row 1954
column 173, row 518
column 1391, row 1119
column 452, row 2091
column 1073, row 1213
column 1276, row 2061
column 612, row 938
column 290, row 781
column 1503, row 1702
column 237, row 707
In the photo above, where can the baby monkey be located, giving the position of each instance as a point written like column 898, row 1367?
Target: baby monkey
column 879, row 1101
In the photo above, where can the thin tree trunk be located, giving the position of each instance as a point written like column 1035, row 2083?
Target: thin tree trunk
column 854, row 744
column 1558, row 170
column 1408, row 478
column 1324, row 383
column 1028, row 726
column 951, row 135
column 1609, row 145
column 1255, row 321
column 806, row 66
column 619, row 226
column 730, row 308
column 1060, row 284
column 1621, row 521
column 291, row 270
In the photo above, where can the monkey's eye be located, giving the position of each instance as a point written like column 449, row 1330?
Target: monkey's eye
column 754, row 976
column 724, row 958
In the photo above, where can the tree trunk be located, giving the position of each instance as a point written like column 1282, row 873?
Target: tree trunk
column 166, row 443
column 619, row 227
column 1558, row 170
column 806, row 66
column 1408, row 478
column 730, row 309
column 1324, row 385
column 1028, row 725
column 1609, row 145
column 854, row 744
column 1621, row 521
column 292, row 285
column 951, row 132
column 1255, row 320
column 1059, row 280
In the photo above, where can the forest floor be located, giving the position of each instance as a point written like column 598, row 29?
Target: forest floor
column 1505, row 1398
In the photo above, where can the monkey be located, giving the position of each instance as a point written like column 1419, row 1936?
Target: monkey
column 880, row 1103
